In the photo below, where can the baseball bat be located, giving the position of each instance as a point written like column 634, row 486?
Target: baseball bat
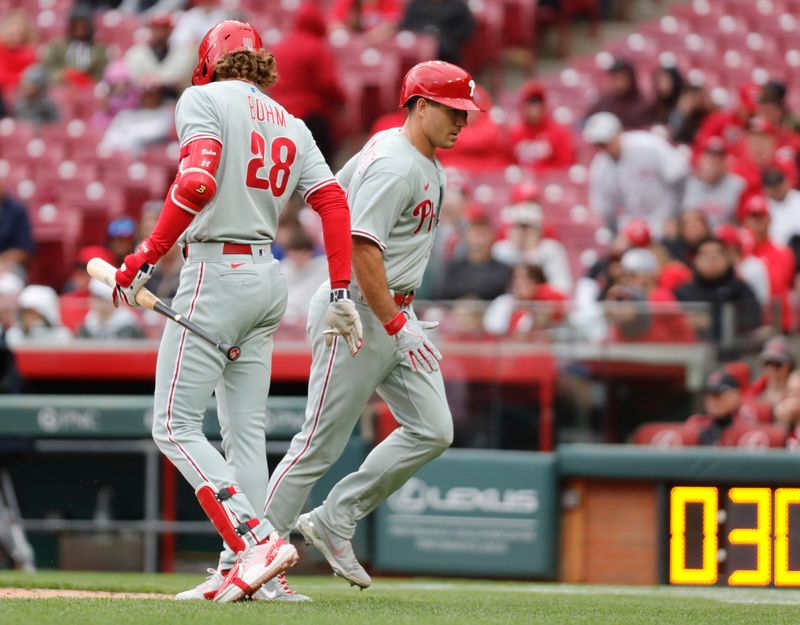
column 103, row 271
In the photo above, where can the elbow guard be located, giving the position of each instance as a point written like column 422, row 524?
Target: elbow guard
column 196, row 183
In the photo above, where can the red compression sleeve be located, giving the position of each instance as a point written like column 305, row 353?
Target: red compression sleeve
column 331, row 204
column 170, row 225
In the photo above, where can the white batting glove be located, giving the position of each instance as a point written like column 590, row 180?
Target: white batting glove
column 419, row 352
column 342, row 319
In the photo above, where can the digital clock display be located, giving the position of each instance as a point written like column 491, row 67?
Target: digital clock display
column 738, row 536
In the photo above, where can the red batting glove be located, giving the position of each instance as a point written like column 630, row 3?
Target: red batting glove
column 134, row 273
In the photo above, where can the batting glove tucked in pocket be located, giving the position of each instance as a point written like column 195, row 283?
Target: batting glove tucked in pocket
column 341, row 319
column 419, row 352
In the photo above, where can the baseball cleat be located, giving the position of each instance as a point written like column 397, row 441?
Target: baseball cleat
column 206, row 590
column 255, row 566
column 278, row 589
column 338, row 551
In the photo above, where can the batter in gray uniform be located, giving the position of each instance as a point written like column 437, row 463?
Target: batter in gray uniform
column 242, row 156
column 394, row 187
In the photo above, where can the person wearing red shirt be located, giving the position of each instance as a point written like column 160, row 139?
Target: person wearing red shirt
column 16, row 48
column 758, row 150
column 778, row 259
column 483, row 144
column 539, row 142
column 376, row 18
column 730, row 124
column 309, row 86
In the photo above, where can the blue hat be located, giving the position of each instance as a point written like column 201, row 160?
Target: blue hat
column 123, row 227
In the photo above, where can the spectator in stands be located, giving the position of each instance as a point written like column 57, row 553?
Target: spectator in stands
column 723, row 401
column 694, row 105
column 777, row 361
column 39, row 318
column 76, row 59
column 784, row 208
column 530, row 305
column 305, row 270
column 772, row 107
column 77, row 286
column 641, row 310
column 16, row 236
column 309, row 85
column 787, row 410
column 157, row 60
column 667, row 87
column 483, row 143
column 477, row 275
column 121, row 237
column 539, row 142
column 693, row 228
column 119, row 94
column 33, row 102
column 450, row 22
column 17, row 49
column 104, row 320
column 711, row 188
column 779, row 259
column 757, row 151
column 376, row 19
column 623, row 97
column 196, row 22
column 715, row 283
column 739, row 244
column 730, row 124
column 148, row 8
column 136, row 129
column 633, row 174
column 11, row 286
column 525, row 242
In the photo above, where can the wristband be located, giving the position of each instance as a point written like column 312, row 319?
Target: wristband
column 339, row 294
column 395, row 324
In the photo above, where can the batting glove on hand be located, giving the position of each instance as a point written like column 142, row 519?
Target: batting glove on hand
column 342, row 319
column 132, row 276
column 419, row 353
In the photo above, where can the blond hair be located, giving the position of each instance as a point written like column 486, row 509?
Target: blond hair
column 255, row 67
column 17, row 18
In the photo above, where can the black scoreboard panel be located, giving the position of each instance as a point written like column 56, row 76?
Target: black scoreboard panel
column 734, row 536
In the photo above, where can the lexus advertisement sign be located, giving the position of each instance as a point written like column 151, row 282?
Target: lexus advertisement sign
column 473, row 512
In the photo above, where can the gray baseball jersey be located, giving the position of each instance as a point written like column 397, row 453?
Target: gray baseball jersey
column 268, row 151
column 266, row 155
column 395, row 196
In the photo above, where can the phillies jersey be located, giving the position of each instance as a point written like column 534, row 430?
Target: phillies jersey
column 395, row 195
column 266, row 154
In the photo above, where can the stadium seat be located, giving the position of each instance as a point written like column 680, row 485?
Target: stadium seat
column 754, row 436
column 666, row 435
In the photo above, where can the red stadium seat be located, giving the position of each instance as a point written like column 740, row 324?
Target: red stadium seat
column 754, row 436
column 667, row 435
column 756, row 411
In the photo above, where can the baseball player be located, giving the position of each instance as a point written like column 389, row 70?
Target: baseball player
column 241, row 157
column 394, row 187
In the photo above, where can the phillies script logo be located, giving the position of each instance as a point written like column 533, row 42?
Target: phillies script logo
column 424, row 210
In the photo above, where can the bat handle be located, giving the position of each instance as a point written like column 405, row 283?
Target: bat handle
column 231, row 351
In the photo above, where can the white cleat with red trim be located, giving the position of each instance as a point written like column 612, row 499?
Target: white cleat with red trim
column 255, row 566
column 278, row 589
column 206, row 589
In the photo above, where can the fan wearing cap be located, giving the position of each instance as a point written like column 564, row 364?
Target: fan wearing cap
column 633, row 174
column 714, row 282
column 730, row 124
column 784, row 207
column 158, row 60
column 779, row 259
column 395, row 186
column 526, row 241
column 739, row 244
column 723, row 402
column 759, row 149
column 539, row 142
column 450, row 21
column 711, row 188
column 39, row 318
column 777, row 360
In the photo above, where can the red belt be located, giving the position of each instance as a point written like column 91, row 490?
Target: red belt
column 403, row 299
column 236, row 248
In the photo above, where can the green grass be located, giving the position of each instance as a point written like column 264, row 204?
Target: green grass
column 400, row 602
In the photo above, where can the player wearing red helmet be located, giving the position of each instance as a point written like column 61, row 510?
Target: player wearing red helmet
column 242, row 156
column 395, row 187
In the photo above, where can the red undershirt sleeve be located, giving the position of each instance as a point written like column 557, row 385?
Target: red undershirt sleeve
column 331, row 205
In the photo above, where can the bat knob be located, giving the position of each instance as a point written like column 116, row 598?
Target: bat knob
column 234, row 353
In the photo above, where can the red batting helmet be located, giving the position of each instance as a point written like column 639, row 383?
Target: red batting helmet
column 225, row 38
column 441, row 82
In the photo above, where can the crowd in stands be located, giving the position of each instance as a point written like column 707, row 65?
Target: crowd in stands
column 644, row 194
